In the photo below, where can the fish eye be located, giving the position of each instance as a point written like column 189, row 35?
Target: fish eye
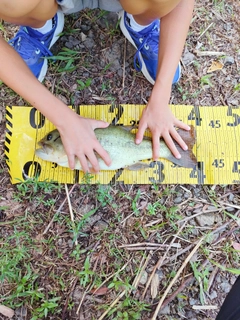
column 49, row 137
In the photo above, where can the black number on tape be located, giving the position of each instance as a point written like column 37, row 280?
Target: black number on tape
column 235, row 116
column 116, row 176
column 134, row 123
column 195, row 115
column 236, row 167
column 198, row 172
column 218, row 163
column 159, row 172
column 215, row 124
column 32, row 119
column 119, row 113
column 31, row 169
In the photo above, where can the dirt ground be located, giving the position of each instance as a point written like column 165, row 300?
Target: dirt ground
column 128, row 242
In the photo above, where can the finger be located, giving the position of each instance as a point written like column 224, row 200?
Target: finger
column 104, row 155
column 156, row 146
column 178, row 139
column 84, row 163
column 169, row 142
column 182, row 125
column 94, row 161
column 71, row 161
column 140, row 133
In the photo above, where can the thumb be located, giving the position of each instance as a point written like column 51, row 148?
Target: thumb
column 99, row 124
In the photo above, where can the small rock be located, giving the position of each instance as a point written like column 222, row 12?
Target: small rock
column 213, row 295
column 83, row 36
column 225, row 286
column 229, row 60
column 229, row 209
column 192, row 301
column 165, row 310
column 188, row 57
column 227, row 26
column 206, row 219
column 187, row 195
column 231, row 197
column 144, row 277
column 89, row 43
column 178, row 200
column 70, row 244
column 233, row 102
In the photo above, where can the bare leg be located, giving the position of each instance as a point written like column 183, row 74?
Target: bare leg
column 146, row 11
column 32, row 13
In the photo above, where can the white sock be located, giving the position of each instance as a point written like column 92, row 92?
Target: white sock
column 134, row 25
column 46, row 28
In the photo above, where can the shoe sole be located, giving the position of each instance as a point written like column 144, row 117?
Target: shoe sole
column 128, row 36
column 55, row 37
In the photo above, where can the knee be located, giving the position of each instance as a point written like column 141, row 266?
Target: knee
column 15, row 9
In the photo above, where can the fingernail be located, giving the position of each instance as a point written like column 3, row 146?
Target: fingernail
column 178, row 156
column 137, row 141
column 185, row 148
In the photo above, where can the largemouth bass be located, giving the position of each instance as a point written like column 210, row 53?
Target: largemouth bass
column 119, row 142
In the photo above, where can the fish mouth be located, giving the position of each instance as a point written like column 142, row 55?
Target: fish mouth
column 45, row 148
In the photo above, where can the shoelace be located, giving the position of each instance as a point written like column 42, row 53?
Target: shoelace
column 31, row 45
column 146, row 43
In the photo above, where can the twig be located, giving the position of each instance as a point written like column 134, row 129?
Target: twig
column 83, row 296
column 66, row 303
column 176, row 277
column 199, row 213
column 205, row 307
column 70, row 208
column 205, row 30
column 209, row 53
column 112, row 305
column 135, row 283
column 57, row 212
column 160, row 261
column 179, row 289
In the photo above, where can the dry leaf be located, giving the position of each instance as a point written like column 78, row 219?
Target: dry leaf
column 236, row 246
column 216, row 65
column 7, row 312
column 100, row 292
column 155, row 285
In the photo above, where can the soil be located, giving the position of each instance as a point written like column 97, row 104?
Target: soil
column 164, row 222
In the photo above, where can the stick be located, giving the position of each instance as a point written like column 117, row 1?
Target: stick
column 176, row 277
column 70, row 208
column 160, row 261
column 210, row 53
column 205, row 30
column 57, row 212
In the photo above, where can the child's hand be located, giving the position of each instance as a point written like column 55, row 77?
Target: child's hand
column 80, row 141
column 161, row 122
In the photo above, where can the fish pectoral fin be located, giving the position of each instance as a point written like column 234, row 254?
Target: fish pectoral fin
column 137, row 166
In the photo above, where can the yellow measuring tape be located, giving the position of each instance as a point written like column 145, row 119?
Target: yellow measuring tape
column 216, row 148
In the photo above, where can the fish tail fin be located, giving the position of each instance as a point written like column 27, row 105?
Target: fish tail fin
column 188, row 159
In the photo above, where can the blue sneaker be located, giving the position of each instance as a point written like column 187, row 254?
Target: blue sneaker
column 34, row 46
column 146, row 43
